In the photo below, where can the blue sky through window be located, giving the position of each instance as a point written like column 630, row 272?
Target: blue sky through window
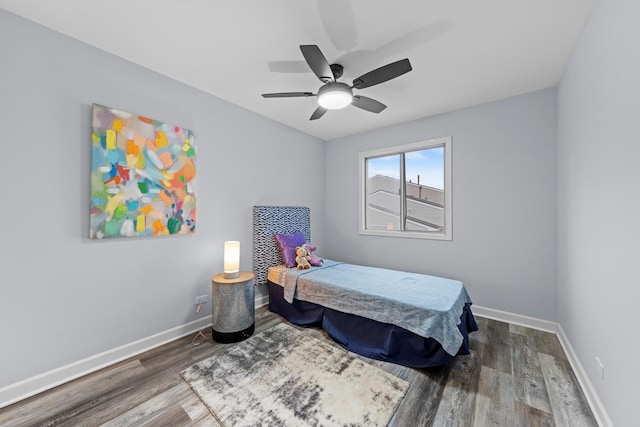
column 429, row 164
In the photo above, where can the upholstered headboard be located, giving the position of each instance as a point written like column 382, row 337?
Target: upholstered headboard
column 269, row 221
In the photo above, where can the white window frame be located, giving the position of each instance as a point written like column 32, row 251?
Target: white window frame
column 446, row 233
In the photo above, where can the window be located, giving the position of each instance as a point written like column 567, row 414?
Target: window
column 405, row 191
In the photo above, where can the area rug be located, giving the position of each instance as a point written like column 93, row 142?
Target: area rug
column 284, row 377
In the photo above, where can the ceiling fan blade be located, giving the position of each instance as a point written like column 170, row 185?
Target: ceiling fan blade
column 368, row 104
column 317, row 62
column 286, row 94
column 339, row 22
column 318, row 113
column 415, row 38
column 383, row 74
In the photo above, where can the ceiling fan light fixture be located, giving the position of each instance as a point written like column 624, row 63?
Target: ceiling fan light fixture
column 334, row 96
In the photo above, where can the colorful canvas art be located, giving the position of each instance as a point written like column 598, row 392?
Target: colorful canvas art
column 142, row 176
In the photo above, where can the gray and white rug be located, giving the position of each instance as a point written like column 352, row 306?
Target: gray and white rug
column 284, row 377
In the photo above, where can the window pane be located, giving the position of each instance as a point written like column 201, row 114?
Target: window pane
column 383, row 193
column 405, row 190
column 424, row 180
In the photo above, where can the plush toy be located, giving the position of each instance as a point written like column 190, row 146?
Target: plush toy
column 313, row 259
column 302, row 257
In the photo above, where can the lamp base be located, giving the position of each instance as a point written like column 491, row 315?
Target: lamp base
column 231, row 274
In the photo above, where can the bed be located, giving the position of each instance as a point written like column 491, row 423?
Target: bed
column 405, row 318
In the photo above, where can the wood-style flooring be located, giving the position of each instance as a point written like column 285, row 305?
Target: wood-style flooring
column 514, row 376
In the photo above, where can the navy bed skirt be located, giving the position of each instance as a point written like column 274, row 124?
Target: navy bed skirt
column 376, row 340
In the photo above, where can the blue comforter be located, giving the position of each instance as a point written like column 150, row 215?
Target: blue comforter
column 428, row 306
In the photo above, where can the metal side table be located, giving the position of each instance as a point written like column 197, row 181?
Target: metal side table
column 233, row 307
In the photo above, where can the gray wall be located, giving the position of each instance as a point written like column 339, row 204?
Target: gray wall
column 599, row 203
column 504, row 203
column 64, row 297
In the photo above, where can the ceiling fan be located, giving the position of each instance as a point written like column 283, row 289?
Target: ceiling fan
column 333, row 94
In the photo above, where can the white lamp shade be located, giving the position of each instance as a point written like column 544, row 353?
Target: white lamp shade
column 333, row 96
column 231, row 259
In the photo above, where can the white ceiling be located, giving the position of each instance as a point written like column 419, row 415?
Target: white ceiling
column 463, row 52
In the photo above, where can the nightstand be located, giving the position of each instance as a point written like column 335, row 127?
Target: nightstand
column 233, row 307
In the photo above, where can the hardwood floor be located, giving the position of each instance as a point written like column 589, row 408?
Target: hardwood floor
column 514, row 376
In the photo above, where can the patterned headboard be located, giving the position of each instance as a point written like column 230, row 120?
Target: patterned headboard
column 271, row 220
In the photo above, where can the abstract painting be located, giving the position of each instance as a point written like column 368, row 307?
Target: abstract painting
column 142, row 176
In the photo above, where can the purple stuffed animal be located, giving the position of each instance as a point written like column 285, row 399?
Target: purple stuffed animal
column 314, row 261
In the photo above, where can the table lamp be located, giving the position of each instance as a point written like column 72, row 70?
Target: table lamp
column 231, row 259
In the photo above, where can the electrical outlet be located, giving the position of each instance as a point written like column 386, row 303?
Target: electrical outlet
column 201, row 299
column 601, row 367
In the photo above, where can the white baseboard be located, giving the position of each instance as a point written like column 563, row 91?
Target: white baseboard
column 516, row 319
column 595, row 403
column 263, row 300
column 599, row 412
column 47, row 380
